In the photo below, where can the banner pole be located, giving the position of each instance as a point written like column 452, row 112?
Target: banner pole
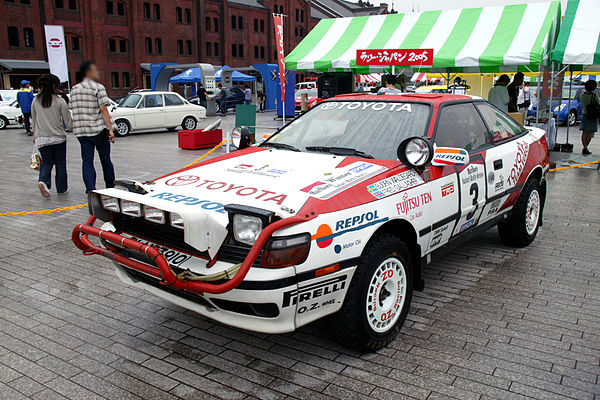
column 282, row 78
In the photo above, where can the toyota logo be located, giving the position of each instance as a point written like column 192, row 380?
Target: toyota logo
column 182, row 180
column 55, row 43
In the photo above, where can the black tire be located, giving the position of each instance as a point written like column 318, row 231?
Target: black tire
column 189, row 123
column 3, row 122
column 515, row 231
column 350, row 325
column 122, row 127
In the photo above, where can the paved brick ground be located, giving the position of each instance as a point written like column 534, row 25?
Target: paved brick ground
column 493, row 322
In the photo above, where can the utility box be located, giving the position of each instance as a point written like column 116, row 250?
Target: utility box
column 245, row 115
column 197, row 139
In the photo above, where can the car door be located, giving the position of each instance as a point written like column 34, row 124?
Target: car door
column 460, row 125
column 503, row 160
column 150, row 112
column 175, row 110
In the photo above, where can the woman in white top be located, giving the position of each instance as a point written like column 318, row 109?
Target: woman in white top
column 498, row 94
column 50, row 120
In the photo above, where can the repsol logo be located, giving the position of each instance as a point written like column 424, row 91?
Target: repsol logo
column 191, row 201
column 356, row 220
column 314, row 291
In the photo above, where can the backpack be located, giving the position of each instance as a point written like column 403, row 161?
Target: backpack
column 593, row 109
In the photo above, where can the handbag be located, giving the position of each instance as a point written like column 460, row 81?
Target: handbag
column 593, row 109
column 36, row 159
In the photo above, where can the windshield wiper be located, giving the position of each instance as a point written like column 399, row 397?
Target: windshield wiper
column 281, row 146
column 340, row 151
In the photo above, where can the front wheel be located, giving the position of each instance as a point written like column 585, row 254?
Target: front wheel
column 522, row 226
column 122, row 127
column 189, row 123
column 3, row 122
column 572, row 119
column 378, row 298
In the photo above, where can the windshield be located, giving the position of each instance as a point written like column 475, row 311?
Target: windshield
column 311, row 92
column 372, row 127
column 130, row 101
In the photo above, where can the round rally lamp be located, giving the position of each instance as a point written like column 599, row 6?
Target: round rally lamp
column 415, row 152
column 241, row 137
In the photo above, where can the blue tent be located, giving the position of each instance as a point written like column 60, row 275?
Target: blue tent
column 189, row 76
column 236, row 76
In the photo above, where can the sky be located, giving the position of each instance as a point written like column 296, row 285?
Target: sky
column 426, row 5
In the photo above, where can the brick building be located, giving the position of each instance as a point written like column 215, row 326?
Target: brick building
column 124, row 36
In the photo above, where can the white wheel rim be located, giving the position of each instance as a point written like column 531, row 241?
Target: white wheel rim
column 386, row 295
column 122, row 128
column 2, row 123
column 571, row 118
column 190, row 124
column 533, row 212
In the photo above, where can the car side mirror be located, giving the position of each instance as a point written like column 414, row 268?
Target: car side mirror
column 241, row 137
column 113, row 108
column 415, row 152
column 444, row 156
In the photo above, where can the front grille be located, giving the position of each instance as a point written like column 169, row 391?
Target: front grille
column 169, row 236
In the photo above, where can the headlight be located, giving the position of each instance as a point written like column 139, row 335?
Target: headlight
column 246, row 228
column 132, row 208
column 154, row 214
column 177, row 220
column 110, row 203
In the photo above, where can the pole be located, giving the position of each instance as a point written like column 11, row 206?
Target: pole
column 537, row 110
column 551, row 113
column 569, row 105
column 282, row 78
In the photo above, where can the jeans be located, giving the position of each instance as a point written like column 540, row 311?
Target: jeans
column 27, row 120
column 223, row 107
column 88, row 144
column 247, row 101
column 54, row 155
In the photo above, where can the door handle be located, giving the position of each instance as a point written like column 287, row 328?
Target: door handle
column 497, row 165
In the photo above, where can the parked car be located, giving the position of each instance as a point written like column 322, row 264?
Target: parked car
column 305, row 85
column 431, row 89
column 335, row 214
column 560, row 108
column 10, row 114
column 313, row 95
column 154, row 110
column 234, row 95
column 7, row 96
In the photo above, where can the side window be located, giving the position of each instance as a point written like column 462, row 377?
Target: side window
column 153, row 100
column 461, row 126
column 501, row 126
column 173, row 100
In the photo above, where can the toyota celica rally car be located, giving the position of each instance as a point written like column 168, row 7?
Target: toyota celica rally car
column 333, row 215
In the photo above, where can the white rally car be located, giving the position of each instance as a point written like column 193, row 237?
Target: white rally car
column 154, row 110
column 335, row 214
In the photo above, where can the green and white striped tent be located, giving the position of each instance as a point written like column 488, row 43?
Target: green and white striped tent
column 487, row 39
column 579, row 38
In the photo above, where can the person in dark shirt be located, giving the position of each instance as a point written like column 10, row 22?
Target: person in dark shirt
column 221, row 99
column 513, row 91
column 202, row 99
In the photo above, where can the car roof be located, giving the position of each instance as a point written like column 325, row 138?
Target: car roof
column 435, row 98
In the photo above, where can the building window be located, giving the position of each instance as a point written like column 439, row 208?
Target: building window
column 13, row 36
column 188, row 16
column 255, row 25
column 216, row 24
column 126, row 82
column 158, row 45
column 262, row 52
column 241, row 50
column 114, row 79
column 216, row 49
column 75, row 43
column 255, row 51
column 296, row 31
column 233, row 22
column 233, row 50
column 112, row 45
column 281, row 10
column 262, row 26
column 208, row 49
column 120, row 8
column 147, row 11
column 72, row 4
column 301, row 32
column 240, row 23
column 122, row 46
column 59, row 4
column 25, row 1
column 148, row 42
column 301, row 15
column 188, row 47
column 157, row 12
column 207, row 24
column 180, row 47
column 179, row 14
column 110, row 7
column 297, row 15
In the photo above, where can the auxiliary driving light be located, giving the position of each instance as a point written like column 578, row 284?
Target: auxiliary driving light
column 177, row 220
column 110, row 203
column 132, row 208
column 154, row 214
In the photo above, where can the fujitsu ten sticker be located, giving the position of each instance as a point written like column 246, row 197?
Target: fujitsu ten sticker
column 395, row 184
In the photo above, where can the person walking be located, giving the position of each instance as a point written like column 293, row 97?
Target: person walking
column 51, row 119
column 247, row 94
column 92, row 125
column 498, row 95
column 202, row 99
column 25, row 98
column 221, row 100
column 589, row 118
column 513, row 91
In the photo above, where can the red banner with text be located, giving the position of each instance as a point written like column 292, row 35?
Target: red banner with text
column 384, row 57
column 278, row 20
